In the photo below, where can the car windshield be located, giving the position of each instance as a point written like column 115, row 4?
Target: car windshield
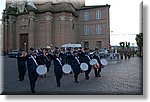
column 102, row 50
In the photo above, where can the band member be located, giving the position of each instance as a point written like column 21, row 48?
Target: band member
column 75, row 65
column 21, row 60
column 68, row 56
column 57, row 67
column 87, row 59
column 62, row 55
column 97, row 68
column 32, row 65
column 47, row 59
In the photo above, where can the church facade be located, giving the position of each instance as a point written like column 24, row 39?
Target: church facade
column 49, row 24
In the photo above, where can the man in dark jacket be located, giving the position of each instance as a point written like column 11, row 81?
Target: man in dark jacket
column 32, row 65
column 57, row 67
column 86, row 59
column 97, row 57
column 75, row 65
column 21, row 61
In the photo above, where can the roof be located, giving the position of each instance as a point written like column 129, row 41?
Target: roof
column 94, row 6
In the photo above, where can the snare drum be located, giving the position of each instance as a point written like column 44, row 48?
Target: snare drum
column 66, row 68
column 104, row 61
column 41, row 70
column 93, row 62
column 84, row 66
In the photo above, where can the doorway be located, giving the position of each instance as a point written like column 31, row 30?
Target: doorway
column 24, row 42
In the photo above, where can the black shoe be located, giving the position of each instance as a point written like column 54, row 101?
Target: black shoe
column 77, row 81
column 58, row 85
column 96, row 75
column 87, row 78
column 99, row 75
column 32, row 90
column 20, row 79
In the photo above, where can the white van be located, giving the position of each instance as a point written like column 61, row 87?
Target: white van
column 71, row 46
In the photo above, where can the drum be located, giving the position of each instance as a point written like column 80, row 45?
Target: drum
column 66, row 68
column 84, row 66
column 104, row 61
column 41, row 70
column 93, row 62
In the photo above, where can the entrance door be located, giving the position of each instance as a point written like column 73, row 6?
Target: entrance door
column 24, row 42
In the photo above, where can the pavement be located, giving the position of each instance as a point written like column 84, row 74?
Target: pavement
column 118, row 78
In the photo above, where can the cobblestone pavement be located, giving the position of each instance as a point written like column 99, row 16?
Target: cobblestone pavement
column 118, row 78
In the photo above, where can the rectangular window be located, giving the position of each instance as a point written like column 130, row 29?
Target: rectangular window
column 99, row 44
column 86, row 16
column 86, row 44
column 98, row 14
column 86, row 30
column 98, row 29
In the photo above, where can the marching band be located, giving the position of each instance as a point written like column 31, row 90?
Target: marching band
column 67, row 61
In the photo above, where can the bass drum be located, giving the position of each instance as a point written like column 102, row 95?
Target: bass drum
column 93, row 62
column 84, row 66
column 104, row 62
column 66, row 68
column 41, row 70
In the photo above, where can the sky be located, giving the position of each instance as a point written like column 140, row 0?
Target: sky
column 124, row 19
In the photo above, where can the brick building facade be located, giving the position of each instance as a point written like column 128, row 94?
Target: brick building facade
column 38, row 25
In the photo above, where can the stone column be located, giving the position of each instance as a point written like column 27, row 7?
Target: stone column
column 48, row 36
column 11, row 40
column 5, row 36
column 31, row 30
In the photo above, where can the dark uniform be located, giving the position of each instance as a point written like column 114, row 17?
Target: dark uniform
column 45, row 60
column 58, row 69
column 33, row 76
column 68, row 58
column 97, row 71
column 87, row 59
column 75, row 66
column 21, row 61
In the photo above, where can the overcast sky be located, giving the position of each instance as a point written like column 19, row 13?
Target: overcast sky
column 124, row 18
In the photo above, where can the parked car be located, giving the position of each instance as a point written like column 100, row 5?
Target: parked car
column 2, row 53
column 14, row 53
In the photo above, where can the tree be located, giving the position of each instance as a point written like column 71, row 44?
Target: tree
column 139, row 41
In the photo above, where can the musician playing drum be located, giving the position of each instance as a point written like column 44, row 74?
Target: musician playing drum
column 47, row 58
column 87, row 59
column 75, row 65
column 97, row 67
column 32, row 65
